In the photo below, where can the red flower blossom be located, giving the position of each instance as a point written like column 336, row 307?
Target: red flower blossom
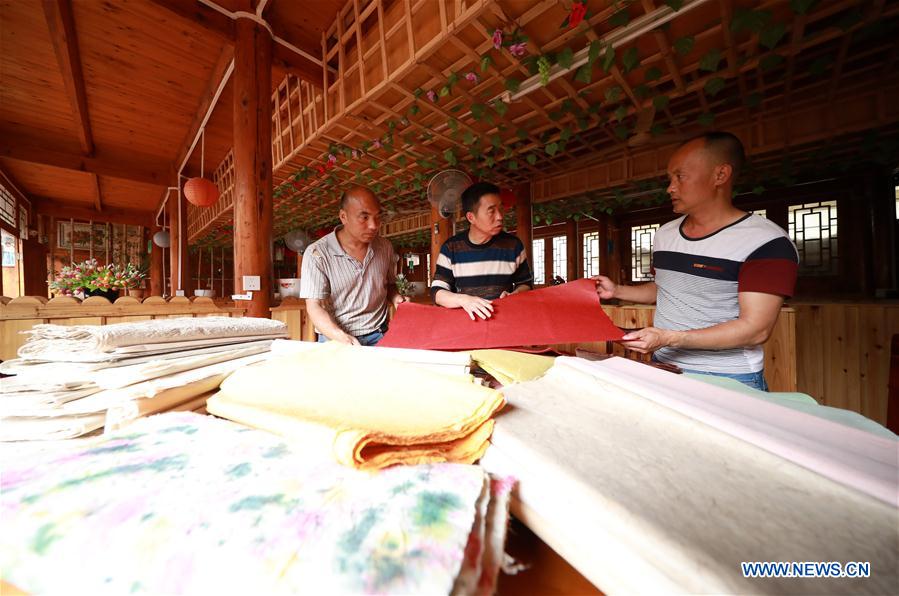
column 578, row 11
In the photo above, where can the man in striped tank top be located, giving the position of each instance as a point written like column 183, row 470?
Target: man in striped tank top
column 483, row 263
column 721, row 275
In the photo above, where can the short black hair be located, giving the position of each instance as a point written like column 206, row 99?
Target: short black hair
column 726, row 146
column 471, row 196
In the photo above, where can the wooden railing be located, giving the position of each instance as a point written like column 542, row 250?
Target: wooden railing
column 21, row 314
column 292, row 312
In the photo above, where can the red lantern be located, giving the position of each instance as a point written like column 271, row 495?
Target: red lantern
column 201, row 192
column 508, row 198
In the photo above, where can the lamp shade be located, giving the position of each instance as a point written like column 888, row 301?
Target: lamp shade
column 201, row 192
column 162, row 239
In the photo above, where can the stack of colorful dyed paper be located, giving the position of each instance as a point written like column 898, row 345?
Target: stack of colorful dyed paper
column 182, row 503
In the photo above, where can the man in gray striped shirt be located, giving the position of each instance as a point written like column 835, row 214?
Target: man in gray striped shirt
column 721, row 275
column 348, row 276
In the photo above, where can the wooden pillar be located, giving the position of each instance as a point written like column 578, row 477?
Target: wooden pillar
column 882, row 217
column 603, row 252
column 253, row 162
column 614, row 248
column 299, row 265
column 571, row 244
column 524, row 223
column 179, row 257
column 548, row 272
column 157, row 284
column 441, row 230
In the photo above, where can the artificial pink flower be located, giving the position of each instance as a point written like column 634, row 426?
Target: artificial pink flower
column 376, row 144
column 518, row 49
column 498, row 38
column 355, row 154
column 332, row 159
column 432, row 96
column 472, row 77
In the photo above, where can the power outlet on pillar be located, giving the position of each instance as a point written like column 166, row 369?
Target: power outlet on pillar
column 250, row 283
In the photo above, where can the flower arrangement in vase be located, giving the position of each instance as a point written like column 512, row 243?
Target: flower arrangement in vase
column 403, row 285
column 89, row 278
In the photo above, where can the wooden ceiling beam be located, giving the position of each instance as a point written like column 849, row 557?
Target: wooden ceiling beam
column 47, row 206
column 733, row 63
column 98, row 202
column 65, row 44
column 222, row 26
column 141, row 169
column 218, row 72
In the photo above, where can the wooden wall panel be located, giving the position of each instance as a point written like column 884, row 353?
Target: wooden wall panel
column 780, row 353
column 843, row 354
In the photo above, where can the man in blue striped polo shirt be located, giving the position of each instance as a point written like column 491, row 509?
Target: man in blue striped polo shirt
column 483, row 263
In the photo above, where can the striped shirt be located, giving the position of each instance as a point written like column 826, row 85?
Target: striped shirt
column 355, row 293
column 484, row 270
column 699, row 279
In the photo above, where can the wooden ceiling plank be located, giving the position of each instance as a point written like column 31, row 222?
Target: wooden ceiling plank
column 733, row 64
column 491, row 68
column 341, row 65
column 137, row 170
column 520, row 68
column 471, row 101
column 215, row 79
column 382, row 42
column 61, row 22
column 668, row 56
column 47, row 206
column 357, row 25
column 209, row 19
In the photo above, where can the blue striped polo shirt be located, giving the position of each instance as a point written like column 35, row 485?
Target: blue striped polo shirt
column 484, row 270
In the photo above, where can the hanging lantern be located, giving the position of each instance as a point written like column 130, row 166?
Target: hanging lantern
column 162, row 239
column 201, row 192
column 508, row 198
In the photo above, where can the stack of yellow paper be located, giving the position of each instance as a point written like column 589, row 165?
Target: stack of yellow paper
column 508, row 366
column 364, row 410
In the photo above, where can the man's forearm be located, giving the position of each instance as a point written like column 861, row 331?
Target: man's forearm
column 447, row 299
column 323, row 320
column 732, row 334
column 641, row 294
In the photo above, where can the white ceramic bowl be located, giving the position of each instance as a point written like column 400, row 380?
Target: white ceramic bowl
column 288, row 287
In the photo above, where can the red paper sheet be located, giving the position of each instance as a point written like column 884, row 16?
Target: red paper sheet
column 559, row 314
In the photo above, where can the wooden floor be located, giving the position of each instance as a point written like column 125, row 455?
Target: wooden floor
column 547, row 575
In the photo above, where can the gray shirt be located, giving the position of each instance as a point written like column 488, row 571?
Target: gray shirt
column 355, row 293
